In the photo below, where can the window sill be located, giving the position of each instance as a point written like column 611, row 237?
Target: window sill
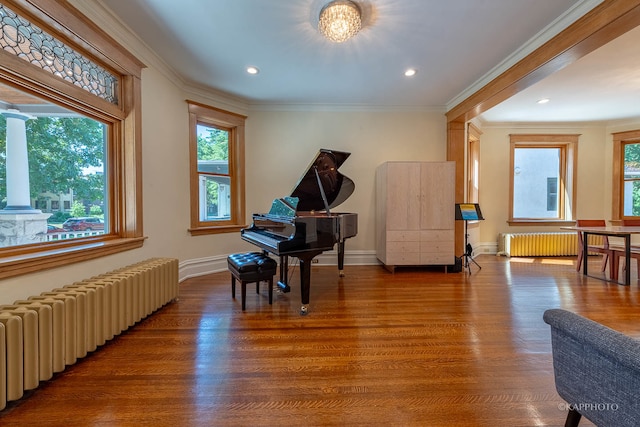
column 17, row 265
column 201, row 231
column 544, row 222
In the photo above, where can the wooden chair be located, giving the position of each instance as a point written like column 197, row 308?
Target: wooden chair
column 604, row 249
column 618, row 251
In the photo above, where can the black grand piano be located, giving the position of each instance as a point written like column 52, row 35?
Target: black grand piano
column 302, row 225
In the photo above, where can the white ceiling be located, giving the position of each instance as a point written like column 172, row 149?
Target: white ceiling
column 455, row 45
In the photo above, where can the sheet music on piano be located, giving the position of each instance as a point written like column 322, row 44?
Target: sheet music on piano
column 302, row 225
column 284, row 207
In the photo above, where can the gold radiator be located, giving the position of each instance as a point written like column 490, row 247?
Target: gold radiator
column 43, row 334
column 541, row 244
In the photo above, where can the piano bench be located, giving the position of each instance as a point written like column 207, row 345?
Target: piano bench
column 248, row 268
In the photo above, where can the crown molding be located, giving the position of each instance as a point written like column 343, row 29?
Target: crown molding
column 346, row 108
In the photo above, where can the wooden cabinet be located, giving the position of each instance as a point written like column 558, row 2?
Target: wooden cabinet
column 415, row 213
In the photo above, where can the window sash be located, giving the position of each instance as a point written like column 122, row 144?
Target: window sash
column 537, row 193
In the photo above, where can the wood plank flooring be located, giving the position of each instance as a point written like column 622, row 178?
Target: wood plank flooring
column 414, row 348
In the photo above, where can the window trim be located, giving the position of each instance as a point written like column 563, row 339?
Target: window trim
column 568, row 143
column 124, row 163
column 619, row 140
column 234, row 123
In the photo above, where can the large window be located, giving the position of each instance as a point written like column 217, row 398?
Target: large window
column 542, row 177
column 49, row 154
column 71, row 138
column 217, row 169
column 626, row 171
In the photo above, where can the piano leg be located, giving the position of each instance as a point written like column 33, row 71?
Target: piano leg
column 305, row 279
column 283, row 283
column 341, row 258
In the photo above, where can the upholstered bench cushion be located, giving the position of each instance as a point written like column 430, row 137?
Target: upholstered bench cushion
column 251, row 266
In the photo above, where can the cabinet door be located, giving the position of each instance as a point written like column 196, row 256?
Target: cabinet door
column 403, row 196
column 437, row 209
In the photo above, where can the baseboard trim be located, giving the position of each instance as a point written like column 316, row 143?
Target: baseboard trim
column 215, row 264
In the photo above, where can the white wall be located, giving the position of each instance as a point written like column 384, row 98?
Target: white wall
column 280, row 146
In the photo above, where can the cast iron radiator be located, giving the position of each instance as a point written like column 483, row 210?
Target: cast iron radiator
column 541, row 244
column 43, row 334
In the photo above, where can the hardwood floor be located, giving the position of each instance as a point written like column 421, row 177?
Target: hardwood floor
column 414, row 348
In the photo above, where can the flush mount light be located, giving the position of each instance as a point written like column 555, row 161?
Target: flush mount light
column 410, row 72
column 252, row 70
column 340, row 20
column 543, row 100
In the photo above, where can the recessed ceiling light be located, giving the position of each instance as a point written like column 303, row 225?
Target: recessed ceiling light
column 253, row 70
column 543, row 100
column 410, row 72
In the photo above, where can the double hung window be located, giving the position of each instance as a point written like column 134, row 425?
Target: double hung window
column 542, row 180
column 216, row 141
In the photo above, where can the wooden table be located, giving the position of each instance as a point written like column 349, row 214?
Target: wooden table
column 624, row 232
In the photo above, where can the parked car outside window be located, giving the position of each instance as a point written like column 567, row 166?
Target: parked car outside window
column 83, row 224
column 54, row 229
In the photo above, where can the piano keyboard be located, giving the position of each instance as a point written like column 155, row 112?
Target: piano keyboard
column 262, row 238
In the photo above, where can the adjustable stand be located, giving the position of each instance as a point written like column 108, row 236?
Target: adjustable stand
column 468, row 250
column 468, row 212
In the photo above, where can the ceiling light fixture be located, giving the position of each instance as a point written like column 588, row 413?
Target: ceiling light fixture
column 340, row 20
column 252, row 70
column 543, row 101
column 410, row 72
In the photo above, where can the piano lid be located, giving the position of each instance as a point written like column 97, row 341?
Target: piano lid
column 337, row 187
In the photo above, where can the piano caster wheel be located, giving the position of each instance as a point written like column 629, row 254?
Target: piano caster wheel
column 341, row 273
column 304, row 310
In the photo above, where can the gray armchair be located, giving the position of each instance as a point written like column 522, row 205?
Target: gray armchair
column 597, row 370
